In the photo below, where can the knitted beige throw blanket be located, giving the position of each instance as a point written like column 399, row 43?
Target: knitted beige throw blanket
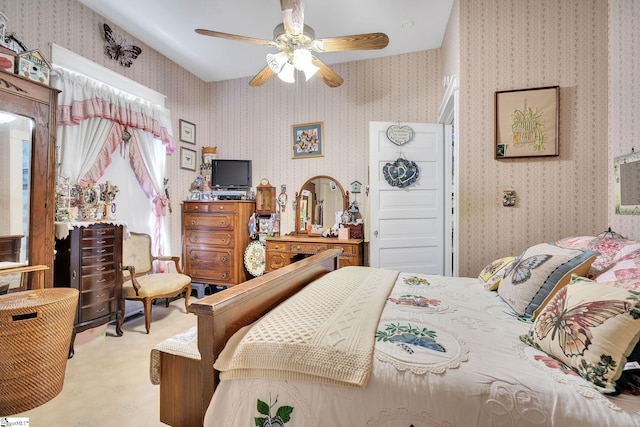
column 325, row 333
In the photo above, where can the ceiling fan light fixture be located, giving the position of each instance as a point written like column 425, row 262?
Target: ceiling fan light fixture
column 287, row 74
column 310, row 70
column 277, row 61
column 301, row 59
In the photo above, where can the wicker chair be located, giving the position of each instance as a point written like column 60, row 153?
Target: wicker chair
column 141, row 283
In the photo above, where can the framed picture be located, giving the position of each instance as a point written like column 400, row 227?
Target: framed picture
column 187, row 132
column 307, row 140
column 187, row 159
column 627, row 173
column 526, row 122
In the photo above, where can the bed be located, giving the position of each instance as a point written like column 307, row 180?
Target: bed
column 535, row 339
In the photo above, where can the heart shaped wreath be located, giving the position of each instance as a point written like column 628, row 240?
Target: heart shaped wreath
column 401, row 173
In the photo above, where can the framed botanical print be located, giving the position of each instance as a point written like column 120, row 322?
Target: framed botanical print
column 526, row 122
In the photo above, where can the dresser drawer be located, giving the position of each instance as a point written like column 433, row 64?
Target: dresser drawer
column 277, row 246
column 98, row 296
column 275, row 261
column 222, row 221
column 308, row 248
column 347, row 250
column 348, row 260
column 100, row 259
column 209, row 207
column 214, row 264
column 97, row 232
column 92, row 248
column 206, row 237
column 98, row 279
column 90, row 312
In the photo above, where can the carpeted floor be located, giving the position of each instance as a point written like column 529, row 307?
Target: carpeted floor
column 107, row 380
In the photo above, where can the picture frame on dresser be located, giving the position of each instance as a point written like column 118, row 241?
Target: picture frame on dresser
column 527, row 122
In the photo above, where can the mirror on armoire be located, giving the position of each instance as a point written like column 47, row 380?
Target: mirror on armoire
column 15, row 167
column 27, row 181
column 318, row 202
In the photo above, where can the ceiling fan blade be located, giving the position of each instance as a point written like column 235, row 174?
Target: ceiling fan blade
column 327, row 74
column 234, row 37
column 292, row 16
column 261, row 78
column 355, row 42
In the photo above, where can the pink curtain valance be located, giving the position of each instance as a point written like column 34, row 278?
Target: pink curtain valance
column 91, row 108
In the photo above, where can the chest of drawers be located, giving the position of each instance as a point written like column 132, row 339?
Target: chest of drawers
column 214, row 237
column 282, row 251
column 89, row 259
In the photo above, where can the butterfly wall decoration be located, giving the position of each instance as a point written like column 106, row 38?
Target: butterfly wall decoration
column 118, row 50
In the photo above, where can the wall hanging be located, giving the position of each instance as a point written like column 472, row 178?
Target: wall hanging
column 399, row 135
column 401, row 173
column 526, row 122
column 118, row 50
column 308, row 140
column 627, row 173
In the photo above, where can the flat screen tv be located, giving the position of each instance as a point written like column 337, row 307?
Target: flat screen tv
column 230, row 174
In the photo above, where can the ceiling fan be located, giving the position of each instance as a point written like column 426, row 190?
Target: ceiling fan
column 295, row 42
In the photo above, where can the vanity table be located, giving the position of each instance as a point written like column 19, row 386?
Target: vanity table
column 282, row 251
column 318, row 204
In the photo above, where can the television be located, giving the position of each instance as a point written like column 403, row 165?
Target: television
column 230, row 174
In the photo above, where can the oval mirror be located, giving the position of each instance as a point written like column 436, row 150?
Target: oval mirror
column 320, row 202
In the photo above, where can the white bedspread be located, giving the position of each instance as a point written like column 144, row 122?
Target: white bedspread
column 447, row 354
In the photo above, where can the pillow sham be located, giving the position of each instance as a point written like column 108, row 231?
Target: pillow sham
column 607, row 247
column 491, row 275
column 591, row 327
column 535, row 276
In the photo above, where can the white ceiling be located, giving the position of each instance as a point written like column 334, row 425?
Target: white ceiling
column 168, row 27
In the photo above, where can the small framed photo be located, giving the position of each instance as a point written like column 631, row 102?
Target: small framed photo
column 187, row 159
column 526, row 122
column 307, row 140
column 187, row 132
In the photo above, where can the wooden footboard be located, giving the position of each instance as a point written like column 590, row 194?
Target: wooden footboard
column 220, row 315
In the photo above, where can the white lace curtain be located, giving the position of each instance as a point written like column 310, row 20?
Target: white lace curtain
column 92, row 118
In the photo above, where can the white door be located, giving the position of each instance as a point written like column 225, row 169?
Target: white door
column 407, row 224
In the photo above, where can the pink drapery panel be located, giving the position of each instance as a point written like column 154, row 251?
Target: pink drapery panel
column 84, row 100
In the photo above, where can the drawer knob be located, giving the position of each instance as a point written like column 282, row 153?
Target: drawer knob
column 224, row 275
column 101, row 310
column 101, row 295
column 102, row 242
column 101, row 268
column 196, row 207
column 221, row 207
column 224, row 259
column 193, row 222
column 298, row 248
column 222, row 222
column 101, row 233
column 101, row 280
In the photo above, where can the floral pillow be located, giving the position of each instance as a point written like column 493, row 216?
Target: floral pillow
column 607, row 247
column 626, row 269
column 491, row 275
column 590, row 327
column 537, row 274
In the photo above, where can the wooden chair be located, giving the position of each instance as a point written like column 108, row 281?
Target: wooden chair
column 141, row 283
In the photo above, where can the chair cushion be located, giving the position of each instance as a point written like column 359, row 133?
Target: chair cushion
column 155, row 284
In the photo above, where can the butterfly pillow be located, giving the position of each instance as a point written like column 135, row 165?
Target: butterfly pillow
column 491, row 275
column 537, row 274
column 591, row 327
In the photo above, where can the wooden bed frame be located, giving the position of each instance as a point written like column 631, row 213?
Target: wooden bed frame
column 187, row 385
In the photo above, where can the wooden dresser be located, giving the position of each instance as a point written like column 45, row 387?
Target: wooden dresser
column 89, row 259
column 214, row 237
column 284, row 250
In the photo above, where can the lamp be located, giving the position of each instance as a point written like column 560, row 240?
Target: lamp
column 284, row 64
column 276, row 62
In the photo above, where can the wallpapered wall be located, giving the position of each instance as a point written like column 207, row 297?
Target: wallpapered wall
column 624, row 96
column 253, row 123
column 494, row 45
column 508, row 44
